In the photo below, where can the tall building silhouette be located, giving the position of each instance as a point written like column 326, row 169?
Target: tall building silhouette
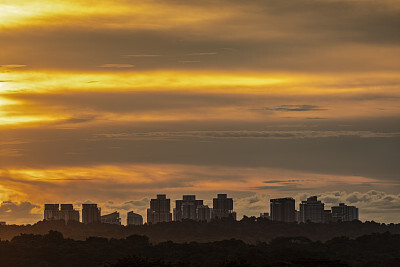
column 223, row 207
column 68, row 213
column 187, row 208
column 160, row 210
column 327, row 216
column 91, row 213
column 112, row 218
column 344, row 213
column 51, row 212
column 312, row 210
column 203, row 213
column 282, row 209
column 134, row 219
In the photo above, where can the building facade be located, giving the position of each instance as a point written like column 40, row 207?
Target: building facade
column 327, row 216
column 282, row 209
column 344, row 213
column 112, row 218
column 160, row 210
column 67, row 212
column 91, row 213
column 312, row 210
column 134, row 219
column 51, row 212
column 203, row 213
column 186, row 208
column 223, row 207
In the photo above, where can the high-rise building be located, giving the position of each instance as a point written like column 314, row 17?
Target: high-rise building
column 67, row 213
column 282, row 209
column 112, row 218
column 344, row 213
column 91, row 213
column 203, row 213
column 134, row 219
column 51, row 212
column 327, row 216
column 312, row 210
column 186, row 208
column 223, row 207
column 160, row 210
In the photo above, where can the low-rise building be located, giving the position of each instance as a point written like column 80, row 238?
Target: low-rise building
column 134, row 219
column 112, row 218
column 344, row 213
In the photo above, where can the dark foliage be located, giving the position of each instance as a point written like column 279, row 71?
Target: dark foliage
column 251, row 230
column 52, row 249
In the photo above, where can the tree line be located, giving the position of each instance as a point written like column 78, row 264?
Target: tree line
column 52, row 249
column 250, row 230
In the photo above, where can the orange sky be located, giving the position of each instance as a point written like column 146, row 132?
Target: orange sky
column 116, row 101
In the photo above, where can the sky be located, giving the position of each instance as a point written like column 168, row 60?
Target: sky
column 113, row 102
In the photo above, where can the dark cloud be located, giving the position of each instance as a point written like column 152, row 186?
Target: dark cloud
column 77, row 120
column 304, row 35
column 283, row 181
column 288, row 188
column 10, row 211
column 296, row 108
column 316, row 118
column 141, row 204
column 125, row 102
column 347, row 151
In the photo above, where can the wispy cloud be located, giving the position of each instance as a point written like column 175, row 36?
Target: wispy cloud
column 12, row 66
column 118, row 66
column 188, row 61
column 296, row 108
column 141, row 55
column 245, row 134
column 202, row 54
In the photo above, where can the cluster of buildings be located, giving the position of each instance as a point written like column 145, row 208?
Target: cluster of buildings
column 281, row 209
column 310, row 210
column 90, row 214
column 189, row 208
column 160, row 211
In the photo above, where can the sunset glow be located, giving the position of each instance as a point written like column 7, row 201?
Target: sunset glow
column 118, row 100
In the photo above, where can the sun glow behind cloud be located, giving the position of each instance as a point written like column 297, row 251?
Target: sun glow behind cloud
column 242, row 82
column 94, row 96
column 105, row 13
